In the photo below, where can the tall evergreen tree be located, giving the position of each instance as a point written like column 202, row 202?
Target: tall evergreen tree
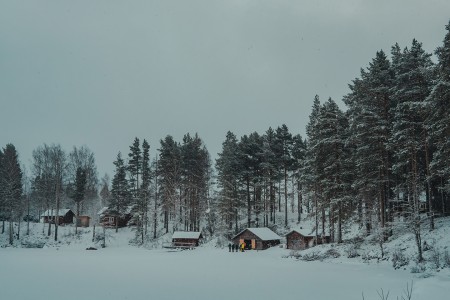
column 410, row 138
column 284, row 141
column 228, row 170
column 79, row 191
column 438, row 122
column 11, row 185
column 169, row 172
column 370, row 118
column 120, row 194
column 298, row 155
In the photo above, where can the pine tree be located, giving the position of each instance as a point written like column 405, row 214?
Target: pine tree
column 332, row 129
column 144, row 189
column 370, row 105
column 269, row 169
column 298, row 155
column 410, row 138
column 438, row 122
column 79, row 192
column 169, row 172
column 228, row 170
column 120, row 194
column 134, row 167
column 11, row 185
column 83, row 157
column 284, row 141
column 312, row 165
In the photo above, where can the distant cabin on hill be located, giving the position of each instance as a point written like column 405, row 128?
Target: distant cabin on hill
column 257, row 238
column 65, row 216
column 108, row 217
column 300, row 239
column 186, row 239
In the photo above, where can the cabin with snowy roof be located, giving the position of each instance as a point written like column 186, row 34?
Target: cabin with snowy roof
column 109, row 217
column 257, row 238
column 65, row 216
column 300, row 239
column 186, row 239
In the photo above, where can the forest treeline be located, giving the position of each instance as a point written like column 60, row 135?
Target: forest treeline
column 385, row 157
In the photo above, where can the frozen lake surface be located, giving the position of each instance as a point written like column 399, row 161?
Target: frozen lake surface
column 204, row 273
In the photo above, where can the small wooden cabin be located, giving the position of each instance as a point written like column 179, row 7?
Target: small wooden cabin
column 299, row 239
column 186, row 239
column 110, row 218
column 65, row 216
column 83, row 221
column 257, row 238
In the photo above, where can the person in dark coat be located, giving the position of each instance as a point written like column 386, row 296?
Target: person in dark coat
column 229, row 247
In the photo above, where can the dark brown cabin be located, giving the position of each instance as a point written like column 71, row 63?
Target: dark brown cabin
column 300, row 240
column 257, row 238
column 65, row 216
column 110, row 218
column 186, row 239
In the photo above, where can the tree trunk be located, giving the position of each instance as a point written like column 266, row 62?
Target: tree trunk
column 11, row 232
column 299, row 199
column 249, row 207
column 430, row 200
column 285, row 199
column 339, row 238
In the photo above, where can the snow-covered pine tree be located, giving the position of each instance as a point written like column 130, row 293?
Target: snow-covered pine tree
column 312, row 164
column 250, row 155
column 11, row 186
column 79, row 191
column 370, row 127
column 438, row 122
column 120, row 194
column 145, row 188
column 169, row 168
column 228, row 170
column 332, row 132
column 83, row 157
column 269, row 170
column 409, row 140
column 284, row 142
column 195, row 165
column 298, row 155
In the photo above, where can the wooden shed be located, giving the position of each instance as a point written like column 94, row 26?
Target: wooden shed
column 186, row 239
column 110, row 218
column 65, row 216
column 257, row 238
column 300, row 239
column 83, row 221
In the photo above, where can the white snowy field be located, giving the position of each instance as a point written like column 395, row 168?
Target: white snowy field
column 204, row 273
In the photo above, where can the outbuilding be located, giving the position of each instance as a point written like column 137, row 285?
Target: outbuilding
column 186, row 239
column 300, row 239
column 65, row 216
column 109, row 217
column 257, row 238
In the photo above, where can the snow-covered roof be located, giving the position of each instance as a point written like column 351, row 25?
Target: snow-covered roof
column 106, row 209
column 52, row 212
column 186, row 235
column 303, row 231
column 102, row 211
column 263, row 233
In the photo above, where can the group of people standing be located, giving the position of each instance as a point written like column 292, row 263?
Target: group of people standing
column 236, row 248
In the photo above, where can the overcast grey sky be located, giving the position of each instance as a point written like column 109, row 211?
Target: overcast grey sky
column 99, row 73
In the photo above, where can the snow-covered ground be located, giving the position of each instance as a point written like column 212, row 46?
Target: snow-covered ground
column 204, row 273
column 122, row 271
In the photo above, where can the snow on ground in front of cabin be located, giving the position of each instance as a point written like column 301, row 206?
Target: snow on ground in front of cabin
column 204, row 273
